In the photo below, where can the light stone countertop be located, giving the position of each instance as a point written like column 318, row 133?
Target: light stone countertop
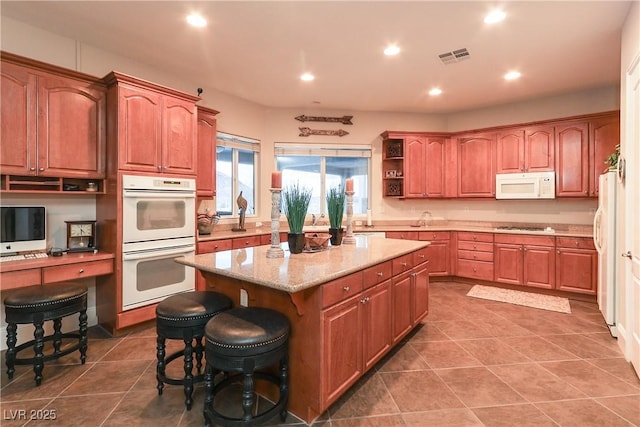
column 298, row 272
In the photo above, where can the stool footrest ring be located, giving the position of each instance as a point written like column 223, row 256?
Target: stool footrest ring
column 45, row 358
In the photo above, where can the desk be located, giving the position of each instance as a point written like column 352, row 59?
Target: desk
column 74, row 266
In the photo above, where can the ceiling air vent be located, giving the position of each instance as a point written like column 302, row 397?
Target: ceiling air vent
column 454, row 56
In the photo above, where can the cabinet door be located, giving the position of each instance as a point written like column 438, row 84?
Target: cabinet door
column 539, row 267
column 415, row 178
column 576, row 270
column 508, row 263
column 401, row 298
column 420, row 290
column 572, row 147
column 71, row 128
column 510, row 151
column 604, row 135
column 139, row 129
column 539, row 149
column 206, row 171
column 341, row 349
column 18, row 120
column 439, row 256
column 435, row 167
column 376, row 323
column 179, row 136
column 476, row 167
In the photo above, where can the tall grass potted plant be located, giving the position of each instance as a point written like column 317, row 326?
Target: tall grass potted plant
column 295, row 204
column 335, row 209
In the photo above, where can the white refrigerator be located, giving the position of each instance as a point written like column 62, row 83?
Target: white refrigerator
column 604, row 238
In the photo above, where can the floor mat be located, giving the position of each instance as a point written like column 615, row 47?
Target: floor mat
column 528, row 299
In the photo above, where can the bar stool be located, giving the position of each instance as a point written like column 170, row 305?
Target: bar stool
column 183, row 317
column 36, row 305
column 244, row 340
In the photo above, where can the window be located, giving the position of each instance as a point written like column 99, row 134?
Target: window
column 236, row 171
column 320, row 168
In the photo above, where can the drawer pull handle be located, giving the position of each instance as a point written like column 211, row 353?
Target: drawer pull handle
column 627, row 255
column 81, row 270
column 421, row 256
column 474, row 269
column 404, row 264
column 346, row 288
column 475, row 238
column 379, row 273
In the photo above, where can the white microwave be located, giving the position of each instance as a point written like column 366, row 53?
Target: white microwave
column 530, row 185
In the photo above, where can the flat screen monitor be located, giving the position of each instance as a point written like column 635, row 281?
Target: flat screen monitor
column 23, row 229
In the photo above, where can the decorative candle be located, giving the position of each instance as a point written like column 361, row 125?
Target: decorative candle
column 276, row 179
column 368, row 217
column 349, row 184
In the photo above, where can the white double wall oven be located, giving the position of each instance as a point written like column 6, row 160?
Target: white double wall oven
column 158, row 216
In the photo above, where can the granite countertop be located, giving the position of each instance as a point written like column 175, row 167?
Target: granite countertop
column 298, row 272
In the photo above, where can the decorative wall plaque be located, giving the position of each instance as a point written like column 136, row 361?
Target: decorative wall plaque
column 309, row 131
column 345, row 120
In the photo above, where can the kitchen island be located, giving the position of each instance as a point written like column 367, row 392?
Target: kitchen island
column 348, row 305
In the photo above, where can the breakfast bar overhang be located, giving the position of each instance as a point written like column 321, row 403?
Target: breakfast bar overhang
column 348, row 306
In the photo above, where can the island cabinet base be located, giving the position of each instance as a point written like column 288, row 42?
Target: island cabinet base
column 339, row 329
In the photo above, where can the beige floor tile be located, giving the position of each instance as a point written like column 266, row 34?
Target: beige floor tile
column 581, row 413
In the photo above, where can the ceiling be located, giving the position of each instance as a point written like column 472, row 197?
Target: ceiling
column 258, row 50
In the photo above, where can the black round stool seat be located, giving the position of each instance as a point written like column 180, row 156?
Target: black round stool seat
column 183, row 317
column 35, row 305
column 244, row 340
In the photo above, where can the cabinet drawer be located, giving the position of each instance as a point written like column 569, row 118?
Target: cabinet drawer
column 376, row 274
column 402, row 264
column 20, row 278
column 420, row 256
column 475, row 246
column 341, row 289
column 76, row 271
column 434, row 235
column 214, row 246
column 475, row 255
column 574, row 242
column 519, row 239
column 475, row 237
column 245, row 242
column 475, row 269
column 404, row 235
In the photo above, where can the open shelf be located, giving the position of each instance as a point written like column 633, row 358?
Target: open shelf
column 41, row 184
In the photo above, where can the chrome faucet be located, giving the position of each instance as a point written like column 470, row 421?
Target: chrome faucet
column 315, row 219
column 425, row 218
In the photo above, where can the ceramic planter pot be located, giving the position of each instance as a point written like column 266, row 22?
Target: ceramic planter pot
column 336, row 236
column 296, row 242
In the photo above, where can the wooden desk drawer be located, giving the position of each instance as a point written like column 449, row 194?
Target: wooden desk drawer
column 475, row 246
column 341, row 289
column 245, row 242
column 20, row 278
column 476, row 269
column 402, row 263
column 214, row 246
column 574, row 242
column 76, row 271
column 475, row 255
column 376, row 274
column 475, row 237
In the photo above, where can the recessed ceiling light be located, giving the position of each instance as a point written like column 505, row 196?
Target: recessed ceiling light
column 435, row 91
column 494, row 17
column 196, row 20
column 307, row 77
column 512, row 75
column 392, row 50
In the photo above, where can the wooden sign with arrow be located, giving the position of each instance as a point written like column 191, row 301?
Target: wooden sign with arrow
column 309, row 131
column 345, row 120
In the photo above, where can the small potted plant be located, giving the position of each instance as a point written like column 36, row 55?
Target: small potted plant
column 295, row 204
column 335, row 209
column 612, row 159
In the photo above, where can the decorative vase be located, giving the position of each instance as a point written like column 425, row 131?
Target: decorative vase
column 336, row 236
column 296, row 242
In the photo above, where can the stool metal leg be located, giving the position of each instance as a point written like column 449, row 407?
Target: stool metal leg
column 199, row 353
column 57, row 335
column 160, row 353
column 188, row 371
column 11, row 348
column 83, row 336
column 38, row 347
column 248, row 395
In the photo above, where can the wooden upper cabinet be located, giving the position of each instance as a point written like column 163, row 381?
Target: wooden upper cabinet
column 206, row 170
column 604, row 135
column 572, row 161
column 415, row 168
column 53, row 121
column 156, row 126
column 476, row 165
column 525, row 150
column 436, row 167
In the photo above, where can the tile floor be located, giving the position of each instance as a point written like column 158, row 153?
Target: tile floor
column 473, row 363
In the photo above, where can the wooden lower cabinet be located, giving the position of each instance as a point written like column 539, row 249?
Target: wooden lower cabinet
column 525, row 260
column 402, row 321
column 475, row 255
column 577, row 265
column 438, row 252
